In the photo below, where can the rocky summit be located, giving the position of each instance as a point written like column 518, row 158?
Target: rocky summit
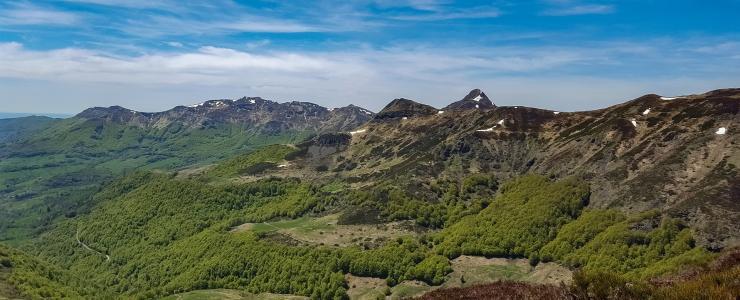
column 476, row 99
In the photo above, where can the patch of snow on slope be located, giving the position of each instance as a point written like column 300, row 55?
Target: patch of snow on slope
column 647, row 111
column 477, row 98
column 721, row 130
column 358, row 131
column 486, row 130
column 197, row 105
column 501, row 122
column 405, row 118
column 440, row 112
column 669, row 98
column 477, row 106
column 252, row 101
column 282, row 166
column 556, row 112
column 634, row 123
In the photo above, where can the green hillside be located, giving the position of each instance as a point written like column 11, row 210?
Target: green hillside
column 166, row 235
column 52, row 173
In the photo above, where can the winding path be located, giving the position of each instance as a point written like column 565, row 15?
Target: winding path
column 77, row 237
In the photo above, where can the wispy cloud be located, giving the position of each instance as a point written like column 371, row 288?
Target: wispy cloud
column 576, row 7
column 589, row 9
column 427, row 5
column 30, row 14
column 175, row 44
column 127, row 3
column 451, row 14
column 258, row 44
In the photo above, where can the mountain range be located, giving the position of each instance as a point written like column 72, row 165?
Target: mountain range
column 293, row 198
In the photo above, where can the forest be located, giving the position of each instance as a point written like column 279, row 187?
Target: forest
column 155, row 234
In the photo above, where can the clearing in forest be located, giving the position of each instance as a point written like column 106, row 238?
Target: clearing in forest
column 325, row 230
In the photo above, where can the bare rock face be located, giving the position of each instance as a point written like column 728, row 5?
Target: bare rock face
column 476, row 99
column 678, row 155
column 248, row 112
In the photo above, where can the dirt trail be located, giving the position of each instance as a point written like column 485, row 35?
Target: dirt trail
column 77, row 237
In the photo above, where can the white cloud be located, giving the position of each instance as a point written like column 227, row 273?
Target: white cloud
column 206, row 65
column 29, row 14
column 538, row 76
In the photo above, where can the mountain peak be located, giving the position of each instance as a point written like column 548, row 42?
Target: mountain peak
column 475, row 99
column 403, row 107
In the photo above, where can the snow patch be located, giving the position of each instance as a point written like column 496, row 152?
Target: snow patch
column 252, row 101
column 669, row 98
column 501, row 122
column 721, row 130
column 634, row 123
column 486, row 130
column 477, row 98
column 197, row 105
column 282, row 166
column 331, row 109
column 556, row 112
column 477, row 106
column 440, row 112
column 647, row 111
column 405, row 118
column 358, row 131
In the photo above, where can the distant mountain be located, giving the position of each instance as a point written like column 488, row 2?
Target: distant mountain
column 9, row 115
column 250, row 112
column 15, row 128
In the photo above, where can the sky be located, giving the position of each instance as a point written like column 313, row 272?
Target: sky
column 63, row 56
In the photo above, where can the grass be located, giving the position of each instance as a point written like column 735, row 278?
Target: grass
column 409, row 289
column 303, row 224
column 324, row 230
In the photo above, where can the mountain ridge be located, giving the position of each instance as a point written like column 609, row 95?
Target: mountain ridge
column 686, row 148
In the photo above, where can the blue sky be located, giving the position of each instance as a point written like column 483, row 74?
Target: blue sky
column 63, row 56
